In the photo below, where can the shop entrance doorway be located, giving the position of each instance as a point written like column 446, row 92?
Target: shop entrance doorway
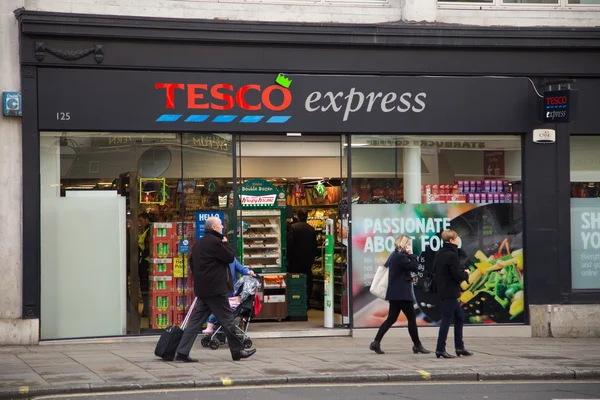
column 291, row 191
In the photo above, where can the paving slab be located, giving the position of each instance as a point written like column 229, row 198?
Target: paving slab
column 21, row 379
column 77, row 368
column 72, row 378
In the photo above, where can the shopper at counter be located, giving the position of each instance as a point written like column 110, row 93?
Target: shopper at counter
column 302, row 250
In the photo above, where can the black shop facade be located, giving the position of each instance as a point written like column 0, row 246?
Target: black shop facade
column 367, row 155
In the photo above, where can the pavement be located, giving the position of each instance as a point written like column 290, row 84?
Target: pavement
column 29, row 371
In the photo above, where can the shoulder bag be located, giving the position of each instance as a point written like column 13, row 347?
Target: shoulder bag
column 381, row 280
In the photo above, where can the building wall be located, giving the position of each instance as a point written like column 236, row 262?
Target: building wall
column 340, row 11
column 360, row 11
column 13, row 330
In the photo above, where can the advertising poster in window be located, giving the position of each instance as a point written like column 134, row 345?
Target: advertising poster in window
column 585, row 243
column 491, row 236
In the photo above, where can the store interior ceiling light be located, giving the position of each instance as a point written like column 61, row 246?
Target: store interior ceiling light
column 294, row 134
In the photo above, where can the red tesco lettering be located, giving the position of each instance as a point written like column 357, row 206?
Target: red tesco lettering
column 556, row 100
column 203, row 96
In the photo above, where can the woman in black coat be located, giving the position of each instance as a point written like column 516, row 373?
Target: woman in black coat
column 401, row 264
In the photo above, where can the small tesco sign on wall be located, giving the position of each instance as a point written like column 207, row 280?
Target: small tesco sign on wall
column 557, row 107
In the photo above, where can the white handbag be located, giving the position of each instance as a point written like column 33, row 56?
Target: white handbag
column 379, row 285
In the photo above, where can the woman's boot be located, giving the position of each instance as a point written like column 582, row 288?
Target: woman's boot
column 376, row 347
column 420, row 349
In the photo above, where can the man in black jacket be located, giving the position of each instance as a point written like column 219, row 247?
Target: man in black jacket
column 448, row 277
column 302, row 250
column 209, row 262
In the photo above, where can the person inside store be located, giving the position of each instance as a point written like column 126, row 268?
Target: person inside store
column 302, row 250
column 236, row 268
column 144, row 221
column 449, row 274
column 402, row 266
column 209, row 262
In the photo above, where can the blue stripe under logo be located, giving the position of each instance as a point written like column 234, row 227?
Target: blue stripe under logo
column 168, row 118
column 246, row 119
column 197, row 118
column 549, row 107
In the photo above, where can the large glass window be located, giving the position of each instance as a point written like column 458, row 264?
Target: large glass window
column 112, row 213
column 421, row 185
column 585, row 212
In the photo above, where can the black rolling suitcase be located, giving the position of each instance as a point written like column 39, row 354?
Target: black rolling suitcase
column 170, row 338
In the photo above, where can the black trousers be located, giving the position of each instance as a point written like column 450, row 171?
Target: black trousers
column 451, row 308
column 396, row 306
column 219, row 306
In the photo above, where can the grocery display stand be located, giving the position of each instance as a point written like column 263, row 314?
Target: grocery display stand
column 261, row 242
column 171, row 291
column 261, row 236
column 273, row 295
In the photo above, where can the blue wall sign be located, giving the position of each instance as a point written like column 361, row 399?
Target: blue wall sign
column 184, row 246
column 11, row 104
column 202, row 216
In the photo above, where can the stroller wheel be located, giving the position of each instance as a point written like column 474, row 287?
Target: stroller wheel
column 214, row 344
column 205, row 341
column 247, row 343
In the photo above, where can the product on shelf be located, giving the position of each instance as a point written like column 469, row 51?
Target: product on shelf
column 474, row 191
column 261, row 241
column 161, row 266
column 161, row 284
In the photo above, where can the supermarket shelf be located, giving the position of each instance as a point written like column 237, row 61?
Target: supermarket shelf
column 260, row 256
column 263, row 246
column 265, row 236
column 259, row 226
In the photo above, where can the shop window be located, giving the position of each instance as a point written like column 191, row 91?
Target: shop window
column 101, row 195
column 585, row 212
column 421, row 185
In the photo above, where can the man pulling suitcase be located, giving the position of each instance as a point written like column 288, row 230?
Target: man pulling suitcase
column 211, row 256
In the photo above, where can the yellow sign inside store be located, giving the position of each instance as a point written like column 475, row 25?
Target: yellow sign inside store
column 178, row 265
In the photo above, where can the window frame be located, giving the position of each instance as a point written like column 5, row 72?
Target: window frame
column 500, row 5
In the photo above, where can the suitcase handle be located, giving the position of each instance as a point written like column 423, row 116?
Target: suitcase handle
column 189, row 314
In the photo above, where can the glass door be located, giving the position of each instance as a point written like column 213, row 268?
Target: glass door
column 300, row 181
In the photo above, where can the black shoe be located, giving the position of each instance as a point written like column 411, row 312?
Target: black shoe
column 463, row 352
column 376, row 347
column 443, row 354
column 420, row 349
column 168, row 358
column 243, row 354
column 181, row 357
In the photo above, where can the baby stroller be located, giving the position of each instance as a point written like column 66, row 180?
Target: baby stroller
column 245, row 289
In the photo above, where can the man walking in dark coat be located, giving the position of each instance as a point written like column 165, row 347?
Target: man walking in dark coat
column 302, row 250
column 209, row 262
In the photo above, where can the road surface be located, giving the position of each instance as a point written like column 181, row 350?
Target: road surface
column 423, row 391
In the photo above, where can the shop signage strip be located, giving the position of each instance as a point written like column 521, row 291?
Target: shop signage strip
column 119, row 100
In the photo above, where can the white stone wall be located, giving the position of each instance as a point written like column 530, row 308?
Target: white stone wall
column 350, row 11
column 13, row 330
column 520, row 17
column 340, row 11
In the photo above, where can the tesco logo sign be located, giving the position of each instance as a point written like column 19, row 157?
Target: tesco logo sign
column 557, row 107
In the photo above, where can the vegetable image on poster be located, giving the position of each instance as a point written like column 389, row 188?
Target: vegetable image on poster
column 491, row 236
